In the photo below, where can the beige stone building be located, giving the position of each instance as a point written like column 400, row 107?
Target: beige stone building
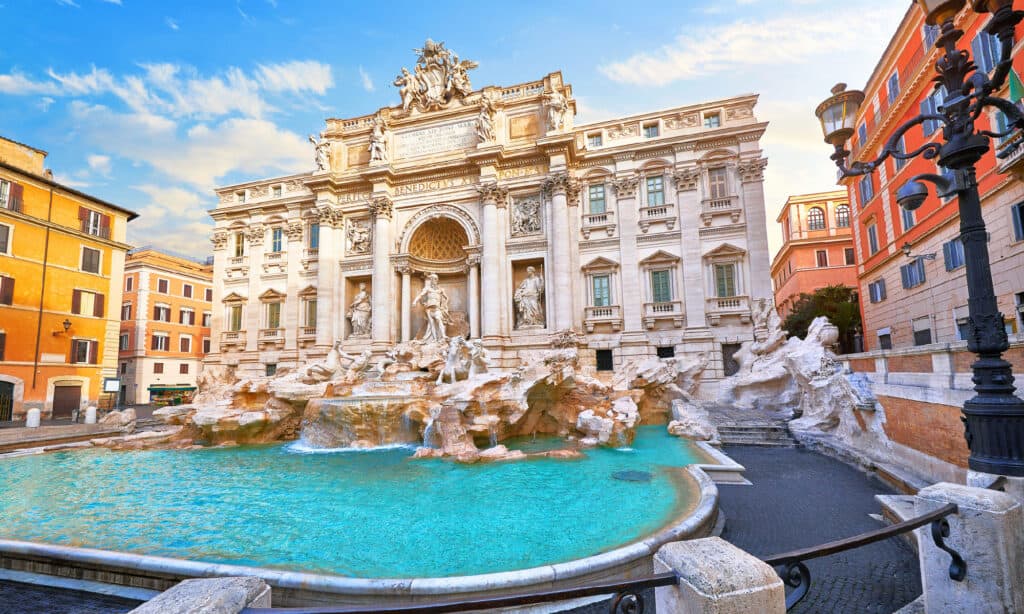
column 645, row 235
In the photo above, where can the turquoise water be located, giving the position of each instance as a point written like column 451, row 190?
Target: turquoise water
column 363, row 514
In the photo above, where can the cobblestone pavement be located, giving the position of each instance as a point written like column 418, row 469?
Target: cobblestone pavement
column 801, row 499
column 18, row 598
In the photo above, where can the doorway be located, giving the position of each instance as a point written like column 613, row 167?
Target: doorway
column 66, row 400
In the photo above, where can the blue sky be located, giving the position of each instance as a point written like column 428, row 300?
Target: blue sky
column 150, row 104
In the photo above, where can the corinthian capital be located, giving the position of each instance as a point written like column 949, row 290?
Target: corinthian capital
column 686, row 179
column 625, row 187
column 752, row 170
column 560, row 183
column 381, row 206
column 492, row 194
column 219, row 239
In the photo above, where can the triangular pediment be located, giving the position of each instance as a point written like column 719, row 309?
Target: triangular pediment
column 725, row 249
column 234, row 297
column 600, row 263
column 271, row 295
column 660, row 257
column 308, row 291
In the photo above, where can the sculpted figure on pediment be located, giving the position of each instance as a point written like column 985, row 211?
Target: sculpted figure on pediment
column 378, row 142
column 485, row 120
column 558, row 107
column 321, row 152
column 438, row 77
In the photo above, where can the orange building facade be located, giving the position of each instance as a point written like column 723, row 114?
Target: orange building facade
column 165, row 327
column 921, row 298
column 61, row 268
column 817, row 247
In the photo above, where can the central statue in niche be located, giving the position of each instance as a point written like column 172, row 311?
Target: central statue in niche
column 435, row 308
column 529, row 298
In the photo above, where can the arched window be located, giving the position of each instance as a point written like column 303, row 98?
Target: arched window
column 843, row 216
column 815, row 219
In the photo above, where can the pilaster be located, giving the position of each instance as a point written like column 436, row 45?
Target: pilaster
column 253, row 317
column 688, row 198
column 491, row 195
column 632, row 297
column 562, row 189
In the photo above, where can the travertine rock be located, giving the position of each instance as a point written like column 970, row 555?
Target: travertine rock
column 691, row 420
column 124, row 419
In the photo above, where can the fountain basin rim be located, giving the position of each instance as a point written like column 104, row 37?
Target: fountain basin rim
column 695, row 522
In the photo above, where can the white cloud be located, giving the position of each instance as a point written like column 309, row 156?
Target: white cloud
column 99, row 163
column 172, row 24
column 295, row 77
column 365, row 79
column 172, row 218
column 44, row 102
column 20, row 85
column 71, row 3
column 742, row 45
column 117, row 2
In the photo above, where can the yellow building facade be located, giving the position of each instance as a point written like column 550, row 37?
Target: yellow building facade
column 62, row 255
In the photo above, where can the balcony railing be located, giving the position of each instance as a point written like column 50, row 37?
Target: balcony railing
column 232, row 337
column 102, row 232
column 1014, row 161
column 271, row 334
column 598, row 221
column 728, row 205
column 236, row 260
column 605, row 314
column 728, row 303
column 658, row 213
column 664, row 310
column 274, row 256
column 311, row 253
column 307, row 332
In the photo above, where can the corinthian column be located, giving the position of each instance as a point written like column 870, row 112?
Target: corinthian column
column 564, row 192
column 381, row 210
column 406, row 271
column 490, row 261
column 687, row 181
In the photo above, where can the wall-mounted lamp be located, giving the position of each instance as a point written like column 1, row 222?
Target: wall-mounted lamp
column 67, row 326
column 907, row 252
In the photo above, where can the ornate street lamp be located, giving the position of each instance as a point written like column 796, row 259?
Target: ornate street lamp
column 994, row 417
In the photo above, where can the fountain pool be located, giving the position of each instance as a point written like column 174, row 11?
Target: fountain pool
column 362, row 514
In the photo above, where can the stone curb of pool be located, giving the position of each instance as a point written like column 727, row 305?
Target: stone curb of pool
column 701, row 516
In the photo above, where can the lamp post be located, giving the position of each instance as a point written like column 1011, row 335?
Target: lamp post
column 994, row 417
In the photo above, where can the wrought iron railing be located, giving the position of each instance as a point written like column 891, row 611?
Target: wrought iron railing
column 627, row 599
column 796, row 575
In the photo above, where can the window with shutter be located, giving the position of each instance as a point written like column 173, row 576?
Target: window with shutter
column 14, row 203
column 158, row 367
column 3, row 344
column 76, row 301
column 601, row 297
column 661, row 286
column 93, row 352
column 186, row 290
column 1017, row 212
column 97, row 305
column 5, row 239
column 6, row 290
column 90, row 260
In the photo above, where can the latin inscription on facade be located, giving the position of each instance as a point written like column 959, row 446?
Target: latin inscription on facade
column 431, row 185
column 426, row 141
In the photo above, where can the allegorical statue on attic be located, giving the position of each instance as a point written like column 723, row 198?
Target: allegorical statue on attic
column 322, row 152
column 438, row 77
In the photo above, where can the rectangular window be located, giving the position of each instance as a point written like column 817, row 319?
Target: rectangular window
column 931, row 34
column 276, row 191
column 953, row 254
column 930, row 106
column 655, row 191
column 650, row 130
column 885, row 341
column 665, row 351
column 93, row 222
column 661, row 286
column 239, row 244
column 907, row 216
column 985, row 49
column 161, row 313
column 894, row 87
column 851, row 257
column 5, row 239
column 873, row 238
column 158, row 367
column 126, row 311
column 718, row 183
column 913, row 274
column 922, row 330
column 876, row 291
column 207, row 318
column 821, row 256
column 314, row 236
column 866, row 189
column 5, row 193
column 187, row 316
column 594, row 141
column 90, row 260
column 123, row 342
column 129, row 283
column 862, row 134
column 186, row 290
column 124, row 368
column 209, row 295
column 273, row 315
column 901, row 146
column 605, row 360
column 3, row 344
column 160, row 342
column 235, row 318
column 712, row 120
column 83, row 352
column 87, row 303
column 6, row 290
column 183, row 368
column 277, row 239
column 206, row 345
column 163, row 286
column 595, row 196
column 241, row 196
column 1017, row 213
column 601, row 291
column 725, row 280
column 271, row 369
column 185, row 344
column 310, row 313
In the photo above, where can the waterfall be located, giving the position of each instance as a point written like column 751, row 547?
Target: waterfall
column 428, row 433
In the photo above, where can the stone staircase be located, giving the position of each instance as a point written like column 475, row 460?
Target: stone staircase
column 148, row 424
column 754, row 434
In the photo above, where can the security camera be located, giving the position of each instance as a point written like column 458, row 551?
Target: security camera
column 911, row 195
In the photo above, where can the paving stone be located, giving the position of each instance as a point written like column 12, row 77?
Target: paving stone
column 18, row 598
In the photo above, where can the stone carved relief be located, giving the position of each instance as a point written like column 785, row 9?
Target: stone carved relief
column 686, row 179
column 526, row 216
column 226, row 198
column 739, row 112
column 438, row 77
column 329, row 216
column 752, row 170
column 359, row 313
column 626, row 187
column 321, row 152
column 529, row 301
column 622, row 131
column 358, row 237
column 293, row 231
column 381, row 207
column 485, row 120
column 258, row 191
column 378, row 141
column 254, row 234
column 294, row 185
column 689, row 120
column 558, row 108
column 219, row 239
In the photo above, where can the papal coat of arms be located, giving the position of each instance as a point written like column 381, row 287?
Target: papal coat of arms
column 438, row 77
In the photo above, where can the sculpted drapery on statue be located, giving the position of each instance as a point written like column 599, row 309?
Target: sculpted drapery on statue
column 322, row 153
column 378, row 142
column 485, row 120
column 529, row 299
column 438, row 77
column 435, row 308
column 360, row 311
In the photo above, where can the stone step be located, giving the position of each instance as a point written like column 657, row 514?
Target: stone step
column 753, row 429
column 897, row 508
column 757, row 435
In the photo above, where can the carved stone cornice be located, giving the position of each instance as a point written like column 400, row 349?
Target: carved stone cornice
column 255, row 233
column 219, row 239
column 493, row 194
column 752, row 170
column 626, row 187
column 293, row 231
column 381, row 206
column 686, row 179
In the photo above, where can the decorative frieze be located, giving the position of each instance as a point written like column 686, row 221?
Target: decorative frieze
column 522, row 247
column 624, row 130
column 258, row 191
column 294, row 231
column 682, row 120
column 361, row 264
column 381, row 206
column 742, row 112
column 752, row 170
column 294, row 185
column 526, row 216
column 357, row 236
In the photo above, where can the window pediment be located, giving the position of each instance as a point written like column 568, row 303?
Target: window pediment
column 600, row 265
column 272, row 296
column 726, row 250
column 234, row 298
column 660, row 257
column 308, row 292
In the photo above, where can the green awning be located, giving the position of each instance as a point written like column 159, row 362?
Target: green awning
column 1016, row 87
column 172, row 388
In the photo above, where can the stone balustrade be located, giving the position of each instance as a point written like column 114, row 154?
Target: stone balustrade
column 598, row 221
column 605, row 314
column 659, row 213
column 728, row 205
column 233, row 338
column 666, row 310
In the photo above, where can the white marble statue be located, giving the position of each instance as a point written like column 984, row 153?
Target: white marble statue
column 479, row 358
column 389, row 358
column 359, row 312
column 435, row 308
column 485, row 120
column 326, row 369
column 408, row 86
column 557, row 106
column 322, row 152
column 438, row 77
column 357, row 364
column 378, row 142
column 358, row 238
column 454, row 360
column 529, row 297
